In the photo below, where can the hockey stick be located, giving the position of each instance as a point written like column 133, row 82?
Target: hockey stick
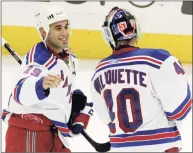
column 11, row 51
column 100, row 147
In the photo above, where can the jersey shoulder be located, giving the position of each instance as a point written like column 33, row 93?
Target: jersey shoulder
column 41, row 55
column 159, row 54
column 139, row 56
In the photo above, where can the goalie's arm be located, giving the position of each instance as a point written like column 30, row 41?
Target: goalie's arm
column 173, row 90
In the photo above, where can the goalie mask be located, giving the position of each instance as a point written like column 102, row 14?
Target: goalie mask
column 120, row 25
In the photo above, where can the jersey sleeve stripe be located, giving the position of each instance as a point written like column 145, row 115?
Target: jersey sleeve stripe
column 27, row 58
column 10, row 99
column 181, row 111
column 180, row 115
column 17, row 90
column 184, row 115
column 5, row 112
column 32, row 53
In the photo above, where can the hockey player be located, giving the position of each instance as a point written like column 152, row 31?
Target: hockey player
column 39, row 110
column 140, row 93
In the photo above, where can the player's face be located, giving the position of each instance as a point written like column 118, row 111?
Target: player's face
column 58, row 35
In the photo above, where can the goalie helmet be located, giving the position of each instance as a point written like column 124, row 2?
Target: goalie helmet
column 120, row 25
column 49, row 15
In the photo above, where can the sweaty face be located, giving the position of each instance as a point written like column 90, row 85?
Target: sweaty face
column 58, row 35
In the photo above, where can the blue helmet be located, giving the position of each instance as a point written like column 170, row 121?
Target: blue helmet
column 120, row 25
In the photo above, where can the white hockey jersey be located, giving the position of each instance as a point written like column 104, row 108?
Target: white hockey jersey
column 28, row 95
column 140, row 94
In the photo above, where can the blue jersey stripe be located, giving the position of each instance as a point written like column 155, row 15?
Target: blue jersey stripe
column 18, row 89
column 148, row 132
column 57, row 123
column 184, row 115
column 3, row 117
column 73, row 55
column 4, row 114
column 27, row 58
column 154, row 53
column 65, row 134
column 142, row 143
column 125, row 64
column 150, row 141
column 186, row 100
column 9, row 99
column 51, row 66
column 39, row 89
column 41, row 54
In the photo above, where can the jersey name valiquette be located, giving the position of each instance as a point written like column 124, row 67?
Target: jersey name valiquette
column 119, row 76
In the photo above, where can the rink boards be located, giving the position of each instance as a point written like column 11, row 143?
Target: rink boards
column 86, row 40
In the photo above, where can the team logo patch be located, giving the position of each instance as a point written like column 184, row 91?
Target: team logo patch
column 114, row 61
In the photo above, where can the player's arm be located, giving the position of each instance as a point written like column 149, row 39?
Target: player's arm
column 173, row 90
column 33, row 84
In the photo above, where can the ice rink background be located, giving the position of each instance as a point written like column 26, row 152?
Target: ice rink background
column 96, row 129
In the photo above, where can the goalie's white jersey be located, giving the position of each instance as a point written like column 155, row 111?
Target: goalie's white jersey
column 141, row 94
column 28, row 95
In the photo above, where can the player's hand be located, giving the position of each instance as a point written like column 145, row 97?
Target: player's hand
column 51, row 81
column 80, row 120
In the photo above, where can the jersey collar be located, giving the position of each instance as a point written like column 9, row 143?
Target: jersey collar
column 62, row 55
column 124, row 49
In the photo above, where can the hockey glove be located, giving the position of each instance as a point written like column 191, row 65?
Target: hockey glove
column 80, row 120
column 78, row 101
